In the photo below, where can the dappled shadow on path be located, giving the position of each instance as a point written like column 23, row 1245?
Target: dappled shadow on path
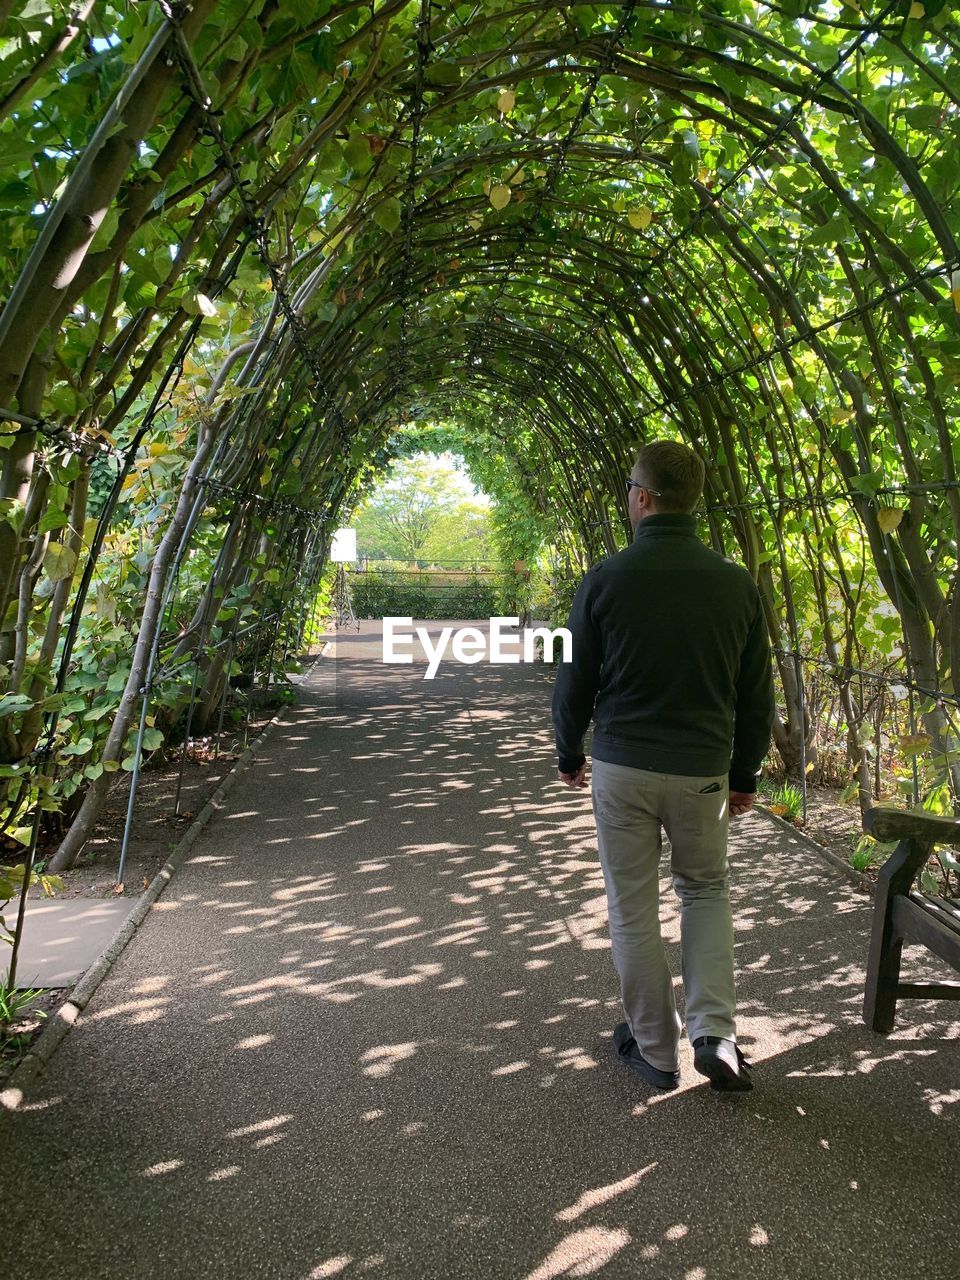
column 367, row 1031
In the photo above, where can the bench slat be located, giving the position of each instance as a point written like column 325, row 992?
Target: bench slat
column 915, row 923
column 942, row 908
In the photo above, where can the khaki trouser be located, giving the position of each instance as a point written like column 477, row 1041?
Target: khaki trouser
column 631, row 806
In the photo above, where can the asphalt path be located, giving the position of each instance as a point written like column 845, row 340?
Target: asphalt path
column 366, row 1032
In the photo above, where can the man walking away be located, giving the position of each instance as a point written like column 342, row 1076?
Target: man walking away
column 670, row 657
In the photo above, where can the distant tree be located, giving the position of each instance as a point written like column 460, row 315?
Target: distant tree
column 465, row 533
column 422, row 512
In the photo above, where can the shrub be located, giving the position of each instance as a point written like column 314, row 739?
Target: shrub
column 377, row 595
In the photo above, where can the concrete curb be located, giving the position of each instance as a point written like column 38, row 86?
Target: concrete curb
column 849, row 873
column 38, row 1056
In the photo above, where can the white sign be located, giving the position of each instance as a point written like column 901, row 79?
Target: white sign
column 343, row 549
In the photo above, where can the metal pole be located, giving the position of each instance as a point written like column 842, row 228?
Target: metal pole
column 801, row 700
column 135, row 776
column 22, row 904
column 186, row 732
column 253, row 681
column 911, row 706
column 226, row 679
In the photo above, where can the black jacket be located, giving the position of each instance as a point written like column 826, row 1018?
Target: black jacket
column 671, row 658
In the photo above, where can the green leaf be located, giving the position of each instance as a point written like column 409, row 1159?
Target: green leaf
column 443, row 71
column 868, row 484
column 117, row 681
column 11, row 703
column 52, row 520
column 357, row 153
column 323, row 51
column 388, row 214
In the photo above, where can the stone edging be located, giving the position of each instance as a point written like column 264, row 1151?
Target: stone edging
column 849, row 873
column 38, row 1056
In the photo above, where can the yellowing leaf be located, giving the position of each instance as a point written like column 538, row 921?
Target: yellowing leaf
column 158, row 449
column 889, row 518
column 507, row 101
column 517, row 178
column 916, row 10
column 206, row 306
column 59, row 561
column 955, row 295
column 487, row 184
column 641, row 218
column 500, row 196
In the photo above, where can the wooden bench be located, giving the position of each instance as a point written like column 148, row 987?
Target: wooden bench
column 903, row 914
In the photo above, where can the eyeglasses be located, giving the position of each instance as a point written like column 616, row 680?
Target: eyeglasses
column 635, row 484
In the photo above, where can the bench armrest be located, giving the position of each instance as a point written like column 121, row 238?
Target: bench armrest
column 885, row 823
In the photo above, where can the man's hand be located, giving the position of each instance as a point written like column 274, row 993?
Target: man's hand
column 578, row 779
column 741, row 802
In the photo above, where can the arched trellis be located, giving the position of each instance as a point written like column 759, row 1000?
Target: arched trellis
column 593, row 221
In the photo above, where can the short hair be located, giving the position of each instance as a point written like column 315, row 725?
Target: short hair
column 673, row 469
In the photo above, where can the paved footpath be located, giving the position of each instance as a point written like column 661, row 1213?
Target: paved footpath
column 366, row 1032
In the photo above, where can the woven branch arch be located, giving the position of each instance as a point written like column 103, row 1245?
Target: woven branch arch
column 264, row 238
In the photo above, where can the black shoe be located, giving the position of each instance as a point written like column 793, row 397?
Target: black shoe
column 631, row 1056
column 722, row 1063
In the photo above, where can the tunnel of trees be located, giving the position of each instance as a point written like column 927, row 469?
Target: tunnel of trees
column 254, row 250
